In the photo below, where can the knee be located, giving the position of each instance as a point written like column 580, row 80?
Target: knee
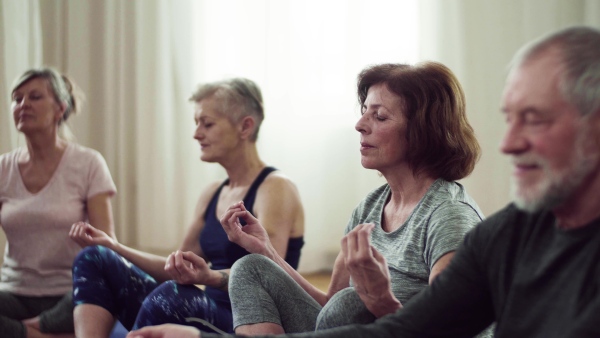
column 172, row 295
column 162, row 296
column 344, row 308
column 87, row 253
column 165, row 291
column 171, row 303
column 94, row 254
column 93, row 260
column 248, row 271
column 247, row 266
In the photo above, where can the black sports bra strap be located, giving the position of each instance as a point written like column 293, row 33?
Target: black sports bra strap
column 258, row 181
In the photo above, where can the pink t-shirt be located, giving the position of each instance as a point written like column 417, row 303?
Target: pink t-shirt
column 39, row 253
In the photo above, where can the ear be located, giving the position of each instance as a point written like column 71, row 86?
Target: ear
column 247, row 127
column 62, row 108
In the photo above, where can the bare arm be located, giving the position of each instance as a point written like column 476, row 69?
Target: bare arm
column 278, row 202
column 100, row 214
column 440, row 265
column 253, row 237
column 86, row 234
column 279, row 208
column 189, row 265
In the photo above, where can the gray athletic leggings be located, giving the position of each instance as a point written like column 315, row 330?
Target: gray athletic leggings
column 261, row 291
column 56, row 313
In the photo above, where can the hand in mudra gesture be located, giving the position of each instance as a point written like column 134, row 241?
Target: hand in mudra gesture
column 252, row 236
column 185, row 267
column 85, row 234
column 369, row 271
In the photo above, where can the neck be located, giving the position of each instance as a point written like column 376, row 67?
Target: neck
column 42, row 147
column 243, row 166
column 407, row 190
column 583, row 207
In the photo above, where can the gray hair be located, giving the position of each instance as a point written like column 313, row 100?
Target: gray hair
column 579, row 47
column 62, row 88
column 238, row 98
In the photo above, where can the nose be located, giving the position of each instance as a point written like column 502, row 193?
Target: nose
column 198, row 135
column 361, row 125
column 24, row 103
column 514, row 140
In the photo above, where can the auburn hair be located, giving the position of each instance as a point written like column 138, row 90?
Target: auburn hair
column 441, row 142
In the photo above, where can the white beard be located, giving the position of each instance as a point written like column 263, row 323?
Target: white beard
column 556, row 186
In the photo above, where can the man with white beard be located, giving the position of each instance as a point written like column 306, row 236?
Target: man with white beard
column 533, row 267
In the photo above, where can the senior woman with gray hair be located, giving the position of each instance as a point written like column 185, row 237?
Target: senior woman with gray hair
column 112, row 280
column 45, row 187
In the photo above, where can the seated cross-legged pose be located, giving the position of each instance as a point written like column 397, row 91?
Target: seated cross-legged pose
column 45, row 187
column 414, row 131
column 532, row 267
column 114, row 281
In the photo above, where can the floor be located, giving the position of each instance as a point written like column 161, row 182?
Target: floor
column 319, row 279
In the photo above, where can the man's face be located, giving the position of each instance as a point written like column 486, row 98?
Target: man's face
column 547, row 139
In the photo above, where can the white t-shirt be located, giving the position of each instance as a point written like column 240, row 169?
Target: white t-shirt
column 39, row 253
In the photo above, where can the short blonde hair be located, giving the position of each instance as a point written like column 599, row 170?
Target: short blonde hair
column 238, row 98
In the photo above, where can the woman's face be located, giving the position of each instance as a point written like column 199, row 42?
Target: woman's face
column 34, row 107
column 382, row 129
column 217, row 135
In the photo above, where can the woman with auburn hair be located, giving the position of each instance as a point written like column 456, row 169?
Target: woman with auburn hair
column 414, row 131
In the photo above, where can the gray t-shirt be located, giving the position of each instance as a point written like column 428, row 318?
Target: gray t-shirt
column 436, row 226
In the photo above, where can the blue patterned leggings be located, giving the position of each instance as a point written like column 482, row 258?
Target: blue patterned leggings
column 104, row 278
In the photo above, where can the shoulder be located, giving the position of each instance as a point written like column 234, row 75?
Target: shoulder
column 508, row 217
column 279, row 179
column 375, row 197
column 450, row 197
column 277, row 195
column 8, row 168
column 506, row 224
column 85, row 155
column 210, row 190
column 370, row 207
column 8, row 159
column 79, row 150
column 277, row 186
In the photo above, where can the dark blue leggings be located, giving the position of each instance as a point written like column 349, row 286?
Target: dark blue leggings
column 104, row 278
column 174, row 303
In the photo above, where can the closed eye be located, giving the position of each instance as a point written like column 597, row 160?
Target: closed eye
column 379, row 117
column 534, row 118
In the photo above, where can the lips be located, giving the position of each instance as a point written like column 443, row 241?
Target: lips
column 525, row 166
column 24, row 115
column 365, row 146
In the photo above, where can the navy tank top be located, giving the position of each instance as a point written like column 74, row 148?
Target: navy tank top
column 222, row 253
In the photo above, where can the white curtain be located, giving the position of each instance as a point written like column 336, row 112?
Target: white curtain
column 20, row 48
column 477, row 39
column 138, row 62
